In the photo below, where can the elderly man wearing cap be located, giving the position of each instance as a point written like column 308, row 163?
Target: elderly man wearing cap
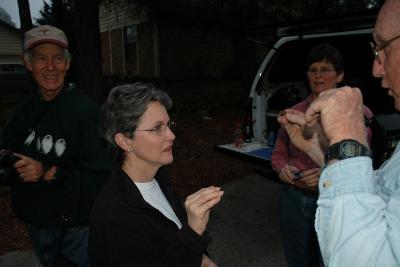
column 63, row 161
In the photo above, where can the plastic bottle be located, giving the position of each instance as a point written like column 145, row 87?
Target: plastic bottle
column 247, row 129
column 238, row 135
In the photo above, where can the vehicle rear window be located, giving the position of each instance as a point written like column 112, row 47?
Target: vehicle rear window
column 356, row 51
column 288, row 66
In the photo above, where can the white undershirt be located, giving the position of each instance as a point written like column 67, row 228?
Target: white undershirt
column 153, row 195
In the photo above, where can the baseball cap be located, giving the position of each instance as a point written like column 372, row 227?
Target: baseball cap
column 45, row 34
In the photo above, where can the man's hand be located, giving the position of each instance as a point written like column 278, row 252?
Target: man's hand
column 29, row 170
column 49, row 175
column 198, row 206
column 341, row 114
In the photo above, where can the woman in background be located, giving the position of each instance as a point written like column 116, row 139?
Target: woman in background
column 137, row 219
column 299, row 174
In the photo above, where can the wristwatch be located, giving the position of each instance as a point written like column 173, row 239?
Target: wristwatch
column 347, row 148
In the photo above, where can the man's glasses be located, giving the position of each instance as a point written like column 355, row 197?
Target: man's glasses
column 161, row 128
column 379, row 47
column 321, row 71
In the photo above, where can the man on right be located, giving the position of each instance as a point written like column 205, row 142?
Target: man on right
column 358, row 215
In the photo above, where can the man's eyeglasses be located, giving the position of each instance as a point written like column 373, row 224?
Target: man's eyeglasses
column 379, row 47
column 160, row 129
column 321, row 71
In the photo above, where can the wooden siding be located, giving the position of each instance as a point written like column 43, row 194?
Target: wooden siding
column 10, row 42
column 117, row 14
column 147, row 50
column 105, row 53
column 188, row 51
column 117, row 46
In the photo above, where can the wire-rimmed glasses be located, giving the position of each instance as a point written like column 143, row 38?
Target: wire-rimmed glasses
column 160, row 129
column 376, row 48
column 322, row 71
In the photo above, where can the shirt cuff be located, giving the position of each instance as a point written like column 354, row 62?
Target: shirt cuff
column 348, row 176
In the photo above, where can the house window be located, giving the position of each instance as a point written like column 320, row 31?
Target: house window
column 130, row 43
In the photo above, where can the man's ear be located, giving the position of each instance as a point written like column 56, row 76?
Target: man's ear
column 122, row 141
column 27, row 62
column 68, row 64
column 340, row 77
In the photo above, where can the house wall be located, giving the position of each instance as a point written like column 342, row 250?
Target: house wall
column 113, row 18
column 190, row 51
column 117, row 45
column 165, row 49
column 106, row 53
column 10, row 44
column 147, row 50
column 116, row 14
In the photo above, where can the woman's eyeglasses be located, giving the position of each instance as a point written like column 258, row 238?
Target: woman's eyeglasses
column 321, row 71
column 161, row 128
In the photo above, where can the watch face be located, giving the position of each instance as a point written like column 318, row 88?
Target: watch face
column 346, row 149
column 349, row 149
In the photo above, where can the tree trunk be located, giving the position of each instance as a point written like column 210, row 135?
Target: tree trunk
column 88, row 48
column 26, row 24
column 24, row 16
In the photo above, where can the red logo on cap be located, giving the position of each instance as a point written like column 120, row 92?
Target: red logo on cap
column 44, row 31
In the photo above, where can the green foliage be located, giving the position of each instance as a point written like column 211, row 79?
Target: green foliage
column 237, row 13
column 245, row 13
column 58, row 13
column 279, row 11
column 5, row 17
column 61, row 14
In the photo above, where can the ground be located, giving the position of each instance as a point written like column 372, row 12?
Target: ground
column 205, row 114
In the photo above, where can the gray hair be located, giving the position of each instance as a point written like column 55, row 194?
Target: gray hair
column 125, row 106
column 28, row 55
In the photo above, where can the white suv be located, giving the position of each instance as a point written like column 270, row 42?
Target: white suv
column 280, row 81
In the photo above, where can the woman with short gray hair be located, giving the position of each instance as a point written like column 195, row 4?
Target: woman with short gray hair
column 137, row 219
column 124, row 107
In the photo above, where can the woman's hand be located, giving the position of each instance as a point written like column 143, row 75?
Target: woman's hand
column 286, row 174
column 310, row 179
column 294, row 121
column 207, row 262
column 198, row 206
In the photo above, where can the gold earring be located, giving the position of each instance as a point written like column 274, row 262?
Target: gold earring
column 130, row 150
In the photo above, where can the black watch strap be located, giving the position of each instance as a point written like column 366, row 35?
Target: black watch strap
column 347, row 148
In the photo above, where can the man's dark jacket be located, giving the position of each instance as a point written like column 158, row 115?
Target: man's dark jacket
column 63, row 132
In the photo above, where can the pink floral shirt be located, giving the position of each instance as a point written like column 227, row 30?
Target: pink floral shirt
column 286, row 153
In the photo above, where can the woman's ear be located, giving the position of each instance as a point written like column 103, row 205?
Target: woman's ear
column 122, row 141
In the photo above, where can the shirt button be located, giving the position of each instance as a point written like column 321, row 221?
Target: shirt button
column 327, row 184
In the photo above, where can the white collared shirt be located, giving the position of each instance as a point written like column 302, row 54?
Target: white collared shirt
column 153, row 195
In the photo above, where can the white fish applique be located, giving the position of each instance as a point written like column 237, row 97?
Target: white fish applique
column 60, row 147
column 30, row 138
column 47, row 144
